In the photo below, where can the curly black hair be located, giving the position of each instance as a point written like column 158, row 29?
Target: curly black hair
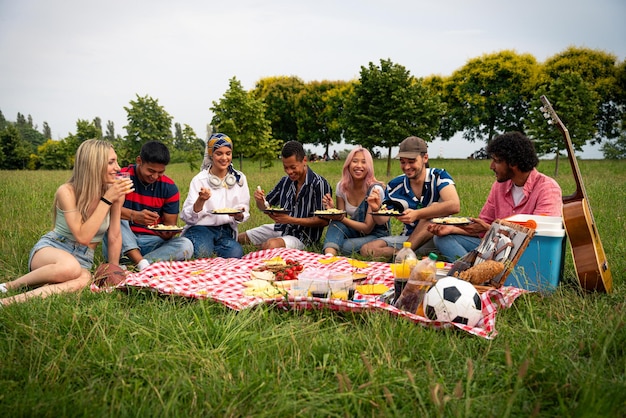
column 516, row 149
column 293, row 148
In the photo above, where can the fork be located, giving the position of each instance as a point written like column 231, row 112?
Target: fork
column 267, row 205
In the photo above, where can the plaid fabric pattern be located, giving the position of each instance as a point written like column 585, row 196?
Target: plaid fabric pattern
column 221, row 280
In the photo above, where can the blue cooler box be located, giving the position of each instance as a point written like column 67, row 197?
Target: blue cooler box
column 541, row 265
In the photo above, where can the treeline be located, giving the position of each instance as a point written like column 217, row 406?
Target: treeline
column 489, row 95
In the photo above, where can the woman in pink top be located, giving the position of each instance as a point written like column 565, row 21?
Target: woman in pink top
column 519, row 189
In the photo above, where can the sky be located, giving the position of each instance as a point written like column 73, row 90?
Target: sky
column 61, row 61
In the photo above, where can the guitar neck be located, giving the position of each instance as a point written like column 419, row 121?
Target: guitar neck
column 580, row 192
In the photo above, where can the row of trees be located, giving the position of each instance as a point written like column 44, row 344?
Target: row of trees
column 490, row 94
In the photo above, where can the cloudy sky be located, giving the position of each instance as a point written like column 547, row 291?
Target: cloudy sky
column 65, row 60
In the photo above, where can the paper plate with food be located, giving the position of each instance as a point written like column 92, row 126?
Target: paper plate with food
column 330, row 213
column 452, row 220
column 389, row 208
column 226, row 211
column 165, row 228
column 275, row 209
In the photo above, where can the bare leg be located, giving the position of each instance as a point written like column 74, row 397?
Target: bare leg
column 49, row 265
column 73, row 285
column 243, row 239
column 420, row 235
column 134, row 256
column 273, row 243
column 378, row 249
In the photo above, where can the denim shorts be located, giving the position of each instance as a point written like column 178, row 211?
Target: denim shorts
column 82, row 253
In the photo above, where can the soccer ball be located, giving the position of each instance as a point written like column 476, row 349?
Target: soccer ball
column 453, row 300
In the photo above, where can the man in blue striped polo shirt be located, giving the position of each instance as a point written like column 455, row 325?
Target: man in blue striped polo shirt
column 424, row 193
column 300, row 192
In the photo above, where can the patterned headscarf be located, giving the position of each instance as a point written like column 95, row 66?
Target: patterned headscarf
column 215, row 141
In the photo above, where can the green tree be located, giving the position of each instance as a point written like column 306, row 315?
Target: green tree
column 489, row 95
column 84, row 130
column 319, row 107
column 55, row 155
column 387, row 105
column 47, row 132
column 110, row 132
column 242, row 117
column 14, row 151
column 28, row 133
column 615, row 150
column 187, row 146
column 147, row 121
column 600, row 70
column 279, row 95
column 97, row 122
column 576, row 104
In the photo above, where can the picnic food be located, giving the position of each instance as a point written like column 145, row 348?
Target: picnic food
column 372, row 289
column 282, row 269
column 482, row 272
column 226, row 210
column 261, row 288
column 262, row 275
column 384, row 210
column 161, row 227
column 452, row 220
column 331, row 211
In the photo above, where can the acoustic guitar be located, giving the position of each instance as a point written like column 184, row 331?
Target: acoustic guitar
column 592, row 267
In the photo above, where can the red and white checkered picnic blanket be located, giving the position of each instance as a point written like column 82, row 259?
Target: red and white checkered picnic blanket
column 221, row 280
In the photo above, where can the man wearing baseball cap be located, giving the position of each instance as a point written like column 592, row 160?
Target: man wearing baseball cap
column 421, row 193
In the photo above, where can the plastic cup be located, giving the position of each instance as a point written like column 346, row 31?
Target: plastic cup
column 299, row 289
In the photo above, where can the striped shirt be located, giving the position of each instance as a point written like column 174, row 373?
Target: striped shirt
column 399, row 189
column 301, row 205
column 162, row 196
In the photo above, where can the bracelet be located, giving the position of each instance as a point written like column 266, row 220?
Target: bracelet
column 106, row 201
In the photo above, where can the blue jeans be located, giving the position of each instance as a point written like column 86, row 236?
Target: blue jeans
column 152, row 247
column 208, row 240
column 346, row 240
column 453, row 247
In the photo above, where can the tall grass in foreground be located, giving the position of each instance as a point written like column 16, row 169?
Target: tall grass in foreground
column 140, row 354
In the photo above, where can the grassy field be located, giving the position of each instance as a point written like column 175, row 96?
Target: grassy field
column 141, row 354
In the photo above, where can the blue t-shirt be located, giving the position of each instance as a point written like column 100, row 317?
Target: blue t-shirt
column 399, row 189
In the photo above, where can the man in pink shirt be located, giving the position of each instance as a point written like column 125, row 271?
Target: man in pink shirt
column 519, row 189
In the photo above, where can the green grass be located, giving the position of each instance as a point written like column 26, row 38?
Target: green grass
column 140, row 354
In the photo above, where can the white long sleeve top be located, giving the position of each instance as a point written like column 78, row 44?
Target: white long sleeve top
column 236, row 197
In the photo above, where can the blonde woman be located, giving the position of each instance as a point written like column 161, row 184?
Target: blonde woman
column 86, row 207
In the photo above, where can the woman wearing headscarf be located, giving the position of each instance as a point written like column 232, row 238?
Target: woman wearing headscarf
column 218, row 201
